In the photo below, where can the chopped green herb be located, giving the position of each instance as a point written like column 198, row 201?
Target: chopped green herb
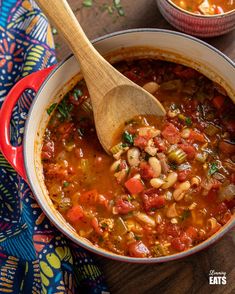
column 104, row 225
column 213, row 168
column 188, row 121
column 54, row 31
column 137, row 237
column 87, row 3
column 77, row 93
column 129, row 198
column 173, row 165
column 66, row 184
column 117, row 3
column 101, row 239
column 128, row 138
column 186, row 214
column 51, row 108
column 121, row 11
column 64, row 108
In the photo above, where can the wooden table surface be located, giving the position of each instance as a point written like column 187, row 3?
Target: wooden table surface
column 189, row 275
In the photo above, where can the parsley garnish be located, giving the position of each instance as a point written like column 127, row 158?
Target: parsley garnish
column 87, row 3
column 213, row 168
column 51, row 108
column 66, row 184
column 188, row 121
column 186, row 214
column 128, row 138
column 64, row 109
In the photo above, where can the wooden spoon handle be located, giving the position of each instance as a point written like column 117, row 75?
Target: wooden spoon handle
column 93, row 65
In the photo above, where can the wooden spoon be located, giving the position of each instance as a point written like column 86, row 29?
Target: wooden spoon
column 115, row 99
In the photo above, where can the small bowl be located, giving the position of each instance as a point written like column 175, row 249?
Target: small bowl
column 194, row 24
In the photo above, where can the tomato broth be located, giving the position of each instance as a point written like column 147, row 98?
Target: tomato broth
column 169, row 184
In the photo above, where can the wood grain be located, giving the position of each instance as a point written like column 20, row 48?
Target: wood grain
column 189, row 275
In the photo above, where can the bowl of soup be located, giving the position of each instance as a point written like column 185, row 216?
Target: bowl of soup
column 167, row 188
column 202, row 18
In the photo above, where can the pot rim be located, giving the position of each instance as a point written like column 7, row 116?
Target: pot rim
column 92, row 248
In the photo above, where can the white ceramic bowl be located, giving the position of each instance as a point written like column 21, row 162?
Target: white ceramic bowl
column 147, row 42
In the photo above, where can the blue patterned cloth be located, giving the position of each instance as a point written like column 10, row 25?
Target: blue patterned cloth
column 34, row 256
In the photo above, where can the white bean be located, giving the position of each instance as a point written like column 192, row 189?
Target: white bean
column 156, row 166
column 133, row 156
column 185, row 133
column 170, row 180
column 151, row 87
column 115, row 165
column 156, row 182
column 179, row 193
column 145, row 219
column 171, row 211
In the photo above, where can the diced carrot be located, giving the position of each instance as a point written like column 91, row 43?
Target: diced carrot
column 218, row 101
column 89, row 197
column 196, row 136
column 75, row 213
column 134, row 186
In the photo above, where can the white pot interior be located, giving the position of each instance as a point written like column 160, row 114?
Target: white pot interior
column 164, row 44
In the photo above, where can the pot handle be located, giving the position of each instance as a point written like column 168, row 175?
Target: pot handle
column 14, row 154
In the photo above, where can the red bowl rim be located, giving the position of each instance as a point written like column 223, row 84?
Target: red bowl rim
column 191, row 14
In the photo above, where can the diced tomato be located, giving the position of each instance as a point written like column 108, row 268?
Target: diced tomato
column 56, row 170
column 177, row 244
column 65, row 129
column 227, row 147
column 138, row 249
column 160, row 144
column 134, row 186
column 75, row 213
column 220, row 209
column 146, row 171
column 48, row 150
column 96, row 227
column 192, row 232
column 218, row 101
column 219, row 10
column 196, row 136
column 123, row 206
column 230, row 203
column 183, row 175
column 140, row 142
column 214, row 230
column 89, row 197
column 226, row 217
column 152, row 200
column 232, row 178
column 212, row 196
column 230, row 125
column 216, row 184
column 187, row 73
column 171, row 133
column 172, row 230
column 189, row 150
column 187, row 240
column 131, row 75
